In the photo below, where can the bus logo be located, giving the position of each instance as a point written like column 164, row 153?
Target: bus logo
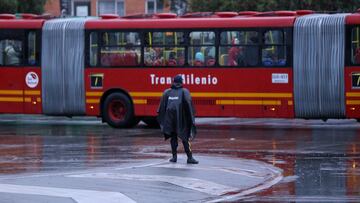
column 96, row 81
column 355, row 78
column 31, row 79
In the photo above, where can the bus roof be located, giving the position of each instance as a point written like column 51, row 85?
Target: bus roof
column 353, row 19
column 21, row 23
column 201, row 23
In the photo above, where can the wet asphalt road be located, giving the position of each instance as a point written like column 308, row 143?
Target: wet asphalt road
column 319, row 162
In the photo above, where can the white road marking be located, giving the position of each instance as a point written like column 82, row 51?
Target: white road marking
column 277, row 177
column 80, row 196
column 237, row 171
column 204, row 186
column 142, row 165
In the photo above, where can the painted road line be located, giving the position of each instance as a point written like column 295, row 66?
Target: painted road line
column 142, row 165
column 277, row 177
column 79, row 196
column 232, row 170
column 203, row 186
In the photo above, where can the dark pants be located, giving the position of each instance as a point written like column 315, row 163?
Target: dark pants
column 174, row 145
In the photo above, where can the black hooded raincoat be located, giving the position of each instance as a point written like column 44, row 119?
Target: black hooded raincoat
column 176, row 113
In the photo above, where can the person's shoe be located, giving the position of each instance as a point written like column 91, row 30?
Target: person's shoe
column 173, row 159
column 192, row 161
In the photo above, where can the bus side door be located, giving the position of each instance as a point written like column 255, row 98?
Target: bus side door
column 32, row 73
column 11, row 71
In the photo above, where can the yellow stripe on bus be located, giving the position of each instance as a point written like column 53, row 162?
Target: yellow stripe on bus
column 32, row 92
column 93, row 101
column 11, row 99
column 94, row 94
column 240, row 94
column 352, row 102
column 27, row 99
column 218, row 94
column 290, row 103
column 11, row 92
column 140, row 101
column 248, row 102
column 146, row 94
column 353, row 94
column 97, row 101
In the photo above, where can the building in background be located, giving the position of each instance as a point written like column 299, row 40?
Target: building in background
column 98, row 7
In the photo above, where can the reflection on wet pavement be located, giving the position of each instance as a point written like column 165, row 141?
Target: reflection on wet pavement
column 318, row 164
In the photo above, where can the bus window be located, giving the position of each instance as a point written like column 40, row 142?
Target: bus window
column 201, row 50
column 355, row 46
column 239, row 48
column 274, row 49
column 166, row 38
column 120, row 49
column 32, row 49
column 93, row 49
column 164, row 49
column 10, row 50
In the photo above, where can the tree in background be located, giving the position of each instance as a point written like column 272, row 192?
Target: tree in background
column 31, row 6
column 22, row 6
column 8, row 6
column 270, row 5
column 178, row 6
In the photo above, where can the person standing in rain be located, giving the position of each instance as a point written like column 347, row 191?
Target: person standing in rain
column 176, row 116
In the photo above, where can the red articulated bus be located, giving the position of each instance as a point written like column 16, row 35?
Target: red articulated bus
column 281, row 64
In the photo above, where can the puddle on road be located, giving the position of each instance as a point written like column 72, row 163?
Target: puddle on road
column 316, row 163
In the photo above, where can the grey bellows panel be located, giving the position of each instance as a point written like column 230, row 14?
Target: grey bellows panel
column 319, row 52
column 63, row 45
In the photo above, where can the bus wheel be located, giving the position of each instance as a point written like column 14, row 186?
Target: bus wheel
column 118, row 111
column 151, row 122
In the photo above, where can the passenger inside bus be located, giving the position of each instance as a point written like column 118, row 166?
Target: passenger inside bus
column 210, row 56
column 12, row 54
column 272, row 56
column 130, row 56
column 149, row 56
column 234, row 53
column 172, row 60
column 199, row 59
column 159, row 59
column 181, row 58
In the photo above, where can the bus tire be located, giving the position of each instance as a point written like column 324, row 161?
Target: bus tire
column 151, row 122
column 118, row 111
